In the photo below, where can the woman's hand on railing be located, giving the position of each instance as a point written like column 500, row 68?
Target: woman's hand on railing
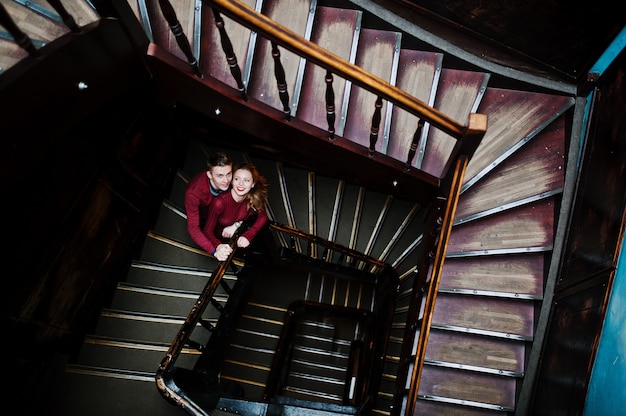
column 230, row 231
column 243, row 242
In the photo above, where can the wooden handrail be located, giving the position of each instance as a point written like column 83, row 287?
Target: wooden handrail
column 452, row 200
column 262, row 24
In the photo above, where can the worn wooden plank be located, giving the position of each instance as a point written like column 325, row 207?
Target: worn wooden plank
column 514, row 116
column 465, row 385
column 416, row 74
column 432, row 408
column 528, row 226
column 34, row 25
column 489, row 314
column 213, row 59
column 263, row 86
column 375, row 55
column 476, row 350
column 537, row 168
column 517, row 274
column 161, row 32
column 457, row 94
column 333, row 30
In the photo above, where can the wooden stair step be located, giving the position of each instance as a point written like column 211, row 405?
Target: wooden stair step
column 263, row 84
column 523, row 228
column 515, row 274
column 418, row 73
column 161, row 33
column 161, row 249
column 536, row 171
column 467, row 386
column 334, row 30
column 154, row 328
column 514, row 118
column 458, row 95
column 212, row 58
column 124, row 395
column 130, row 355
column 477, row 351
column 504, row 316
column 158, row 300
column 377, row 54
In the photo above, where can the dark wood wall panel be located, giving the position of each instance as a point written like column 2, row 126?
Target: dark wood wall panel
column 570, row 346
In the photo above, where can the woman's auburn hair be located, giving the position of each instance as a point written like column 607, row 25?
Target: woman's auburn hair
column 257, row 197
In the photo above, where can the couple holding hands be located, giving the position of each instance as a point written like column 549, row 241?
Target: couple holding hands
column 220, row 199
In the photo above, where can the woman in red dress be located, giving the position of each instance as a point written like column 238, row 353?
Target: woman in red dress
column 247, row 195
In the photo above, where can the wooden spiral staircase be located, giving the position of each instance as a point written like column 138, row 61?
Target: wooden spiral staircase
column 483, row 326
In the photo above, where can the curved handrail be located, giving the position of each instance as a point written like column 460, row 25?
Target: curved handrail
column 260, row 23
column 328, row 244
column 166, row 387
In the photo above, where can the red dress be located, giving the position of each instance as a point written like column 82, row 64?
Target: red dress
column 225, row 212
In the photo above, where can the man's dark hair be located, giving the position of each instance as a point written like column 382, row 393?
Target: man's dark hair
column 219, row 159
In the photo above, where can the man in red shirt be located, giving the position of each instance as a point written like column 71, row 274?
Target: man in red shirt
column 200, row 192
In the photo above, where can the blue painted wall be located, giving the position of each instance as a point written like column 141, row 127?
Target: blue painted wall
column 606, row 395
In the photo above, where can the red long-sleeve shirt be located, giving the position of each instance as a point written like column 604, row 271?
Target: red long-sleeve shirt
column 225, row 212
column 198, row 197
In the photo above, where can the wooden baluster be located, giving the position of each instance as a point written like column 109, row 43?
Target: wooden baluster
column 330, row 105
column 227, row 47
column 179, row 35
column 20, row 37
column 415, row 142
column 279, row 73
column 375, row 125
column 67, row 18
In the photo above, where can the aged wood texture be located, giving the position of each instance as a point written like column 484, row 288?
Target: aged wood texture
column 417, row 72
column 537, row 168
column 213, row 58
column 467, row 385
column 514, row 118
column 513, row 274
column 457, row 95
column 333, row 30
column 524, row 227
column 262, row 86
column 375, row 55
column 475, row 350
column 161, row 31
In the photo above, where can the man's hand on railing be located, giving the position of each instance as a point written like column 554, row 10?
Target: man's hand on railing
column 222, row 252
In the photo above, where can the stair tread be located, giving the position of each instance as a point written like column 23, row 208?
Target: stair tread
column 417, row 75
column 375, row 55
column 333, row 31
column 458, row 95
